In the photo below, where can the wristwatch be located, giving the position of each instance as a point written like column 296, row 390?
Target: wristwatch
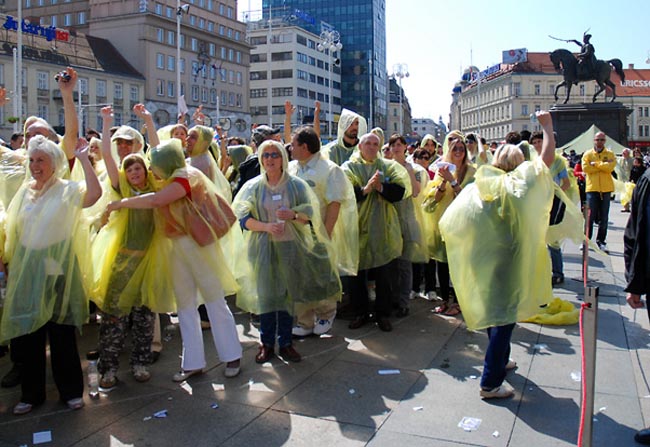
column 295, row 216
column 453, row 183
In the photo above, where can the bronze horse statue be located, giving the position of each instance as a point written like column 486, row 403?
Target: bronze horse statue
column 566, row 62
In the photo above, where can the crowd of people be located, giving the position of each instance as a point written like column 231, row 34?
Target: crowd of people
column 176, row 220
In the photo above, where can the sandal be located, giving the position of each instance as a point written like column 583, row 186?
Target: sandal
column 452, row 310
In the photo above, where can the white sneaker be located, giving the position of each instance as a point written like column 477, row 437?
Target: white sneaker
column 413, row 295
column 300, row 331
column 141, row 373
column 323, row 326
column 511, row 365
column 500, row 392
column 431, row 295
column 372, row 294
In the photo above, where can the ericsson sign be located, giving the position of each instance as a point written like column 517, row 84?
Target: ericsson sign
column 643, row 83
column 49, row 32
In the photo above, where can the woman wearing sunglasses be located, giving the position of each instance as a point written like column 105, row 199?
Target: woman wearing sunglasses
column 452, row 175
column 290, row 258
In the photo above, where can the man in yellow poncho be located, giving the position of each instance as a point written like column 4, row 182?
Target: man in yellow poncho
column 339, row 214
column 378, row 184
column 495, row 237
column 351, row 125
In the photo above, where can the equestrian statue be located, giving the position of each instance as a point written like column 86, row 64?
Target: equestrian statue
column 584, row 67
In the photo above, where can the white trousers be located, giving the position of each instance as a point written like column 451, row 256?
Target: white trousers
column 189, row 278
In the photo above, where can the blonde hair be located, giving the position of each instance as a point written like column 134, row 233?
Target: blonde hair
column 508, row 157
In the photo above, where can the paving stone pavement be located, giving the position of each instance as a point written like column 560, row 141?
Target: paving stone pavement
column 337, row 395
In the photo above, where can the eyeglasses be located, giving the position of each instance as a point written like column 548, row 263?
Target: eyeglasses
column 458, row 149
column 600, row 139
column 425, row 157
column 272, row 155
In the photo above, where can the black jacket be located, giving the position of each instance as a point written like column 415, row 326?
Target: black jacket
column 636, row 251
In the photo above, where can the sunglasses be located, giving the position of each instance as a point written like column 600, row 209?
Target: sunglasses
column 425, row 157
column 458, row 149
column 600, row 139
column 272, row 155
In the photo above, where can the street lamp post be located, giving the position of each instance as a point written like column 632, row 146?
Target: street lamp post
column 180, row 10
column 331, row 43
column 401, row 71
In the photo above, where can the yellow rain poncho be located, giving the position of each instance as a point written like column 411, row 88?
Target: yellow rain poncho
column 626, row 197
column 411, row 221
column 168, row 162
column 296, row 267
column 201, row 158
column 495, row 237
column 380, row 236
column 126, row 272
column 337, row 151
column 558, row 313
column 12, row 174
column 48, row 252
column 330, row 184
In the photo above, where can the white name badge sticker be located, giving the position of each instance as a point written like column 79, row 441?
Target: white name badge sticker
column 276, row 197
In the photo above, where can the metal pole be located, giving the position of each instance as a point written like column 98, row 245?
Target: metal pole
column 16, row 87
column 19, row 65
column 270, row 72
column 179, row 12
column 330, row 121
column 371, row 111
column 401, row 108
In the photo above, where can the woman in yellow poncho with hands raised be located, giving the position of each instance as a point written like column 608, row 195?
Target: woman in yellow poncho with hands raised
column 495, row 234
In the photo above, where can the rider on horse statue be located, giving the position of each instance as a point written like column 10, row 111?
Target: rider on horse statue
column 586, row 58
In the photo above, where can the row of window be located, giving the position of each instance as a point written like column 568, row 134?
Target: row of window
column 202, row 23
column 30, row 3
column 643, row 111
column 200, row 94
column 65, row 20
column 168, row 62
column 169, row 37
column 288, row 74
column 101, row 85
column 644, row 131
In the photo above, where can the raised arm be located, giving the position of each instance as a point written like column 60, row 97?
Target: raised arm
column 141, row 111
column 198, row 116
column 70, row 112
column 170, row 193
column 548, row 145
column 288, row 113
column 93, row 188
column 317, row 118
column 111, row 167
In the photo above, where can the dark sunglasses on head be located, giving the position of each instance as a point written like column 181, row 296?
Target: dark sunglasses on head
column 273, row 155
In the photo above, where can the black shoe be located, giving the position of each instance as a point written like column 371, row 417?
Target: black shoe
column 384, row 324
column 402, row 312
column 3, row 351
column 13, row 377
column 643, row 436
column 358, row 322
column 155, row 355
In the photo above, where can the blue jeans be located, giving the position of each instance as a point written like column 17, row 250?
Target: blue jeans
column 496, row 356
column 272, row 321
column 599, row 207
column 556, row 261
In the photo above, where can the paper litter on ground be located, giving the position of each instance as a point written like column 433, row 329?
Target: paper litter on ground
column 387, row 372
column 469, row 424
column 42, row 437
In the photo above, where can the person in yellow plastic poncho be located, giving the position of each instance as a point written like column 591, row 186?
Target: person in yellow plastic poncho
column 478, row 153
column 47, row 251
column 119, row 250
column 378, row 184
column 198, row 141
column 414, row 247
column 196, row 264
column 338, row 209
column 350, row 126
column 291, row 261
column 495, row 237
column 453, row 173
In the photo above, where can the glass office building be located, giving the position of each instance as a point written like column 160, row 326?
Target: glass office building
column 362, row 26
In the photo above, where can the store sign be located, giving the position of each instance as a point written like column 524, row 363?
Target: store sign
column 639, row 83
column 50, row 32
column 36, row 54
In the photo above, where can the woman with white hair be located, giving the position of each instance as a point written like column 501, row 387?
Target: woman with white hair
column 48, row 253
column 495, row 235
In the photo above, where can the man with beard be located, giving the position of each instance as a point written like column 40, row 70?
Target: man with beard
column 351, row 125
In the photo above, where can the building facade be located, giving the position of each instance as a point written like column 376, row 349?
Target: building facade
column 291, row 68
column 104, row 77
column 362, row 26
column 214, row 54
column 399, row 110
column 508, row 95
column 424, row 126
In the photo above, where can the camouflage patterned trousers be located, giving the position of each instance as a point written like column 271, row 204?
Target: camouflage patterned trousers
column 112, row 335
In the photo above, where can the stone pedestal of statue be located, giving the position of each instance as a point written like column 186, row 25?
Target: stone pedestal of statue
column 571, row 120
